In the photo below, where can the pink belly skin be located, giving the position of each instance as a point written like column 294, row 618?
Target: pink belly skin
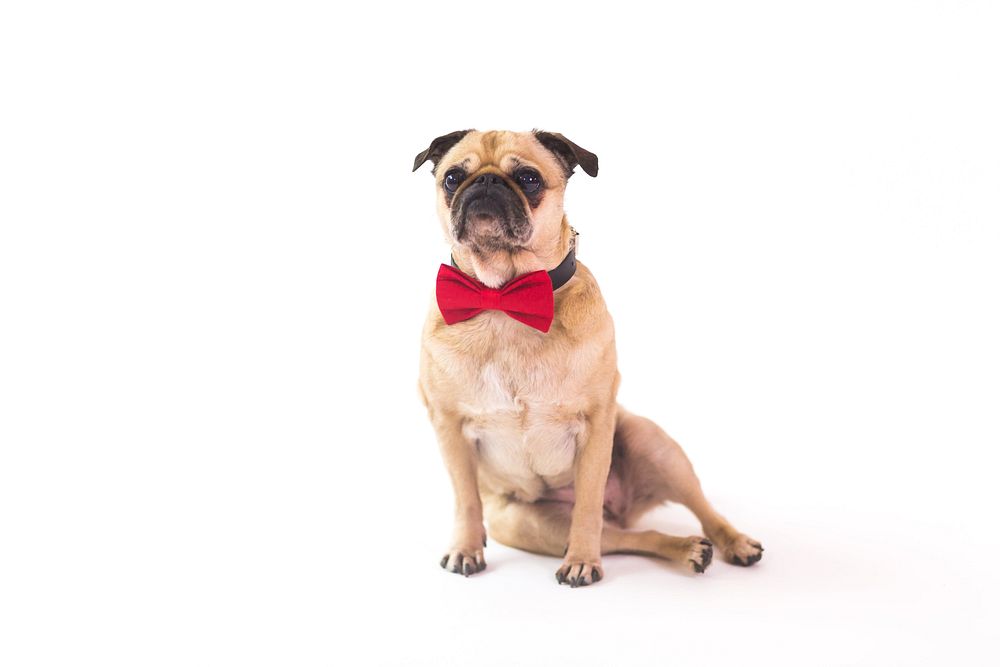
column 614, row 495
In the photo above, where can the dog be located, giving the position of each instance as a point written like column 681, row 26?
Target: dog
column 518, row 372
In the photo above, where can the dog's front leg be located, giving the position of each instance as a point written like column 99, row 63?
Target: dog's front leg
column 582, row 563
column 466, row 553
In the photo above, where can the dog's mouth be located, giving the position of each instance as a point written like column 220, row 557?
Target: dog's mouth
column 490, row 217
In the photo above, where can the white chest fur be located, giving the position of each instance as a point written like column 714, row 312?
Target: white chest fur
column 525, row 429
column 523, row 397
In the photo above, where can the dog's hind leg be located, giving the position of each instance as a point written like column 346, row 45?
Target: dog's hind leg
column 653, row 469
column 543, row 527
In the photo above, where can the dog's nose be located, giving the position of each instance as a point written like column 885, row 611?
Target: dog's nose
column 488, row 179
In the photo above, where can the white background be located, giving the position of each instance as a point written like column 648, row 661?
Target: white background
column 215, row 263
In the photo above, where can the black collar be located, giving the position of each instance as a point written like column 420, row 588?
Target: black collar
column 559, row 275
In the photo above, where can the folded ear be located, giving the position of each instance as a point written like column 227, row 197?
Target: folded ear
column 568, row 153
column 438, row 148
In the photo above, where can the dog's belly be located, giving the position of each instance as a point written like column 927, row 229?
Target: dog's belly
column 527, row 452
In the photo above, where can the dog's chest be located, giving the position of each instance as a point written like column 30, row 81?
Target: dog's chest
column 524, row 421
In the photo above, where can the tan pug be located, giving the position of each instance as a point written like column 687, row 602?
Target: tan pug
column 528, row 422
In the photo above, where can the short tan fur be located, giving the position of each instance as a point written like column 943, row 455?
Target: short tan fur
column 528, row 422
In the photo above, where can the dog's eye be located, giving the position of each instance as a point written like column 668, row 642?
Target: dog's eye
column 529, row 180
column 453, row 179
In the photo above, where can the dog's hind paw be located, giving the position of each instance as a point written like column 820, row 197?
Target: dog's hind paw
column 699, row 556
column 743, row 551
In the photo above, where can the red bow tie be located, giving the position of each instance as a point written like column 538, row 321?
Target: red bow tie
column 527, row 298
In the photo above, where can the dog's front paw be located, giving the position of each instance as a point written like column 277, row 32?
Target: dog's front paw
column 464, row 560
column 741, row 550
column 579, row 573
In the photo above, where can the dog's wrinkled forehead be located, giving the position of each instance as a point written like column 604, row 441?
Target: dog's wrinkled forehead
column 506, row 151
column 550, row 153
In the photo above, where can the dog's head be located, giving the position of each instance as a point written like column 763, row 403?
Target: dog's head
column 502, row 192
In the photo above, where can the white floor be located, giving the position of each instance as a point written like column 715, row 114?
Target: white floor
column 845, row 588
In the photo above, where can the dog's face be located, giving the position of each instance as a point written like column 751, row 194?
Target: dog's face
column 503, row 191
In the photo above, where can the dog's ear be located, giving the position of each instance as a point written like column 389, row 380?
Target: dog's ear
column 569, row 154
column 438, row 148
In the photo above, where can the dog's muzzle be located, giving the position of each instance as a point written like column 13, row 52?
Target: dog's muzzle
column 489, row 209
